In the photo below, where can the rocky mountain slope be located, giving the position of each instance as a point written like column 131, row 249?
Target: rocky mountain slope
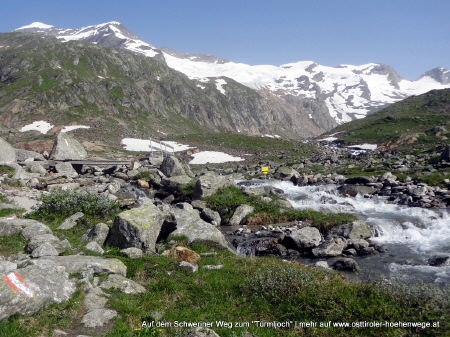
column 419, row 122
column 345, row 92
column 123, row 94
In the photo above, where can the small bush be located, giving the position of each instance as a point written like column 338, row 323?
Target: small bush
column 277, row 284
column 65, row 203
column 6, row 170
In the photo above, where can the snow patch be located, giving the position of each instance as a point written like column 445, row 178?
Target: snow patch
column 74, row 127
column 135, row 144
column 41, row 126
column 364, row 146
column 219, row 83
column 213, row 157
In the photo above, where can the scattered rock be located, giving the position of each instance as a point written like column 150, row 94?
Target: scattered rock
column 183, row 254
column 133, row 252
column 71, row 221
column 125, row 285
column 94, row 247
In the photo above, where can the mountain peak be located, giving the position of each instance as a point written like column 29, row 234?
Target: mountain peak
column 439, row 74
column 35, row 25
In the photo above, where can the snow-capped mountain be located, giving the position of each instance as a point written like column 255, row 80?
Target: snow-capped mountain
column 348, row 92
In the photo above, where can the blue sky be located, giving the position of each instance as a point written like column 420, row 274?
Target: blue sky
column 412, row 36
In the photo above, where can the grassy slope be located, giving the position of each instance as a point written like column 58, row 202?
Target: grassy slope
column 414, row 115
column 245, row 290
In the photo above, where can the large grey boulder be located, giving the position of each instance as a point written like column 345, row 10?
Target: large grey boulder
column 45, row 249
column 80, row 263
column 48, row 239
column 171, row 167
column 239, row 214
column 330, row 248
column 138, row 227
column 25, row 291
column 209, row 183
column 196, row 230
column 358, row 229
column 173, row 185
column 26, row 227
column 302, row 239
column 22, row 155
column 67, row 147
column 7, row 152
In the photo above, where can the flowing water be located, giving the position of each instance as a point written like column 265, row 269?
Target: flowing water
column 411, row 234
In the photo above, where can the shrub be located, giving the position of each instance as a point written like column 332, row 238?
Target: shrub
column 65, row 203
column 277, row 283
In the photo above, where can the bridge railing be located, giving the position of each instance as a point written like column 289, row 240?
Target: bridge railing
column 160, row 147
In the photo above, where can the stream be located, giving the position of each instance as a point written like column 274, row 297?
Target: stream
column 411, row 234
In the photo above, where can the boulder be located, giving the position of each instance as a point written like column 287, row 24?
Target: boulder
column 354, row 190
column 201, row 332
column 40, row 239
column 173, row 185
column 25, row 291
column 7, row 152
column 183, row 254
column 98, row 233
column 45, row 249
column 330, row 248
column 358, row 229
column 26, row 227
column 345, row 263
column 171, row 167
column 189, row 267
column 94, row 247
column 71, row 221
column 67, row 147
column 439, row 260
column 239, row 214
column 125, row 285
column 138, row 227
column 302, row 239
column 66, row 168
column 22, row 155
column 132, row 252
column 196, row 230
column 211, row 216
column 80, row 263
column 209, row 183
column 98, row 317
column 357, row 180
column 286, row 173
